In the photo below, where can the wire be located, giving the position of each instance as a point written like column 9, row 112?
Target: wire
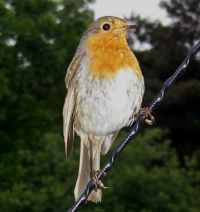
column 136, row 126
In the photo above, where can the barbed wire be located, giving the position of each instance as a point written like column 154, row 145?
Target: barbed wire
column 135, row 128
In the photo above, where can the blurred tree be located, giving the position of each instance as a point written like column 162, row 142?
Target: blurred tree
column 148, row 179
column 37, row 41
column 35, row 48
column 168, row 46
column 185, row 19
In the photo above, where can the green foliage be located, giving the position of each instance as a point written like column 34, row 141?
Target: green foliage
column 185, row 17
column 37, row 41
column 169, row 45
column 148, row 178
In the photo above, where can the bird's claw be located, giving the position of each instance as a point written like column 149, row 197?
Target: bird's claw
column 98, row 183
column 147, row 115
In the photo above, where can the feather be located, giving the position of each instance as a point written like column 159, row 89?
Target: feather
column 89, row 164
column 68, row 119
column 70, row 101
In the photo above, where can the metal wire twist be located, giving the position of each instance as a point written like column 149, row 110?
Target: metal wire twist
column 136, row 126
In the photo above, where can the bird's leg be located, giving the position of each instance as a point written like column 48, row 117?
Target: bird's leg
column 148, row 117
column 91, row 158
column 94, row 174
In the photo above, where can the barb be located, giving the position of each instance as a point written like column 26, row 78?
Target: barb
column 135, row 128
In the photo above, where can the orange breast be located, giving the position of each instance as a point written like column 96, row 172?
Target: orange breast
column 109, row 54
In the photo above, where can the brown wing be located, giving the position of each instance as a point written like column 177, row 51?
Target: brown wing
column 70, row 103
column 72, row 69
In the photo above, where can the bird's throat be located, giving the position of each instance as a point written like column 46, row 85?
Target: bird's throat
column 108, row 54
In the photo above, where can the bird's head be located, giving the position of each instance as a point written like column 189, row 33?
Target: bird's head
column 110, row 26
column 105, row 43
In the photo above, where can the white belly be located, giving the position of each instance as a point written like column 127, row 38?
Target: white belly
column 105, row 106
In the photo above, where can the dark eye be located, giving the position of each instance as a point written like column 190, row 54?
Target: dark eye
column 106, row 27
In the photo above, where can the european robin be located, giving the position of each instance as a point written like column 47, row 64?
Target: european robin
column 105, row 89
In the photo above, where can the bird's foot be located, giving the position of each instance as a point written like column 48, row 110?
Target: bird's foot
column 147, row 115
column 98, row 183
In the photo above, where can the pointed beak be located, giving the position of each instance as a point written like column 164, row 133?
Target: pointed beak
column 131, row 27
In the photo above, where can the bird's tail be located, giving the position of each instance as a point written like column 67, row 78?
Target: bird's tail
column 86, row 166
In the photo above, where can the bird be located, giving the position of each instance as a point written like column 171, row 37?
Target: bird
column 105, row 89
